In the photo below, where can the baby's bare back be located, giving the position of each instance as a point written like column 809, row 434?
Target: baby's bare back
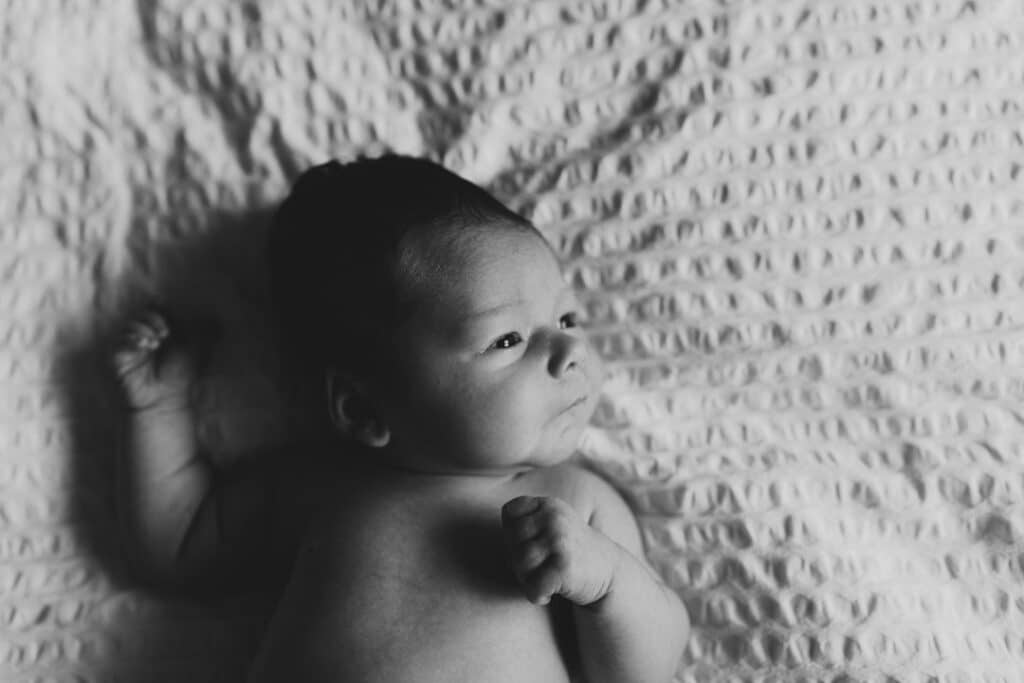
column 410, row 583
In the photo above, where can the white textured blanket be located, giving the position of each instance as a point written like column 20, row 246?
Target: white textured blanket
column 798, row 227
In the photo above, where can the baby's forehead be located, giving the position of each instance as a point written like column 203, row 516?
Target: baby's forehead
column 481, row 262
column 476, row 250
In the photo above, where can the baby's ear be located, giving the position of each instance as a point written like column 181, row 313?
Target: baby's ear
column 351, row 411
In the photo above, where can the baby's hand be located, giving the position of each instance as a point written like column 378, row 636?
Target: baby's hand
column 554, row 552
column 155, row 363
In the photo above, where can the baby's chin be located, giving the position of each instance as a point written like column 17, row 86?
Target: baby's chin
column 498, row 453
column 564, row 448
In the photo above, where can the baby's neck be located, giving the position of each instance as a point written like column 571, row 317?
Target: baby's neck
column 400, row 475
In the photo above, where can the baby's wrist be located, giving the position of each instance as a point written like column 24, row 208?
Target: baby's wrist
column 613, row 565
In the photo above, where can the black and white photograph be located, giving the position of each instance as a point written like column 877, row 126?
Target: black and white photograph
column 511, row 341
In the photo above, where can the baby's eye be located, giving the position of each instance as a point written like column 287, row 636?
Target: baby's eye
column 568, row 320
column 506, row 341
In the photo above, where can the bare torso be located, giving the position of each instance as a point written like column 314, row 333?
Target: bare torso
column 408, row 582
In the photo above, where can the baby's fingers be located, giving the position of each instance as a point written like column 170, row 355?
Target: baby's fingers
column 544, row 582
column 520, row 521
column 519, row 507
column 521, row 530
column 527, row 557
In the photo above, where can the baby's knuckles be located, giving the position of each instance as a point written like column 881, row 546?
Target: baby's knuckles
column 557, row 516
column 577, row 554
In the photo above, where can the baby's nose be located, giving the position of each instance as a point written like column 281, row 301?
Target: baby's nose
column 568, row 354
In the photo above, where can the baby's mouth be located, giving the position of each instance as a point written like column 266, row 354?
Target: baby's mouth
column 578, row 402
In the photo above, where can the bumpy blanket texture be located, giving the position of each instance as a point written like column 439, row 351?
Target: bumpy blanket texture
column 797, row 227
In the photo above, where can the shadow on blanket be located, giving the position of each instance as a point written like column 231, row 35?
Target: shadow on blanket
column 214, row 282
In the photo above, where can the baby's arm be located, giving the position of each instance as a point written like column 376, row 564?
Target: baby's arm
column 630, row 626
column 187, row 525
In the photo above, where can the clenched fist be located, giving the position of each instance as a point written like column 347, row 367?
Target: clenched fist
column 553, row 551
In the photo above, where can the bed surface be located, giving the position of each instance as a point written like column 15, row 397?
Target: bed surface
column 797, row 228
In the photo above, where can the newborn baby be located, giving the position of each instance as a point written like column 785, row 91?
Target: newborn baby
column 442, row 536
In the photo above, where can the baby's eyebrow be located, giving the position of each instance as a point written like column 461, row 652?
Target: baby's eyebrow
column 492, row 310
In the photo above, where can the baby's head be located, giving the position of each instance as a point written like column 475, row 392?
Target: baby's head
column 435, row 320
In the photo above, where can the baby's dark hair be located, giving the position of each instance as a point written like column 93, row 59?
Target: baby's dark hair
column 335, row 247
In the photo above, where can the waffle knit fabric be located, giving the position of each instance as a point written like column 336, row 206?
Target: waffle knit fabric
column 797, row 228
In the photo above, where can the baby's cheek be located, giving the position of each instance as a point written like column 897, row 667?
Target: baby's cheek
column 473, row 429
column 509, row 423
column 596, row 370
column 510, row 427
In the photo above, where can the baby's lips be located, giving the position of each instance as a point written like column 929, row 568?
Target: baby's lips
column 581, row 400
